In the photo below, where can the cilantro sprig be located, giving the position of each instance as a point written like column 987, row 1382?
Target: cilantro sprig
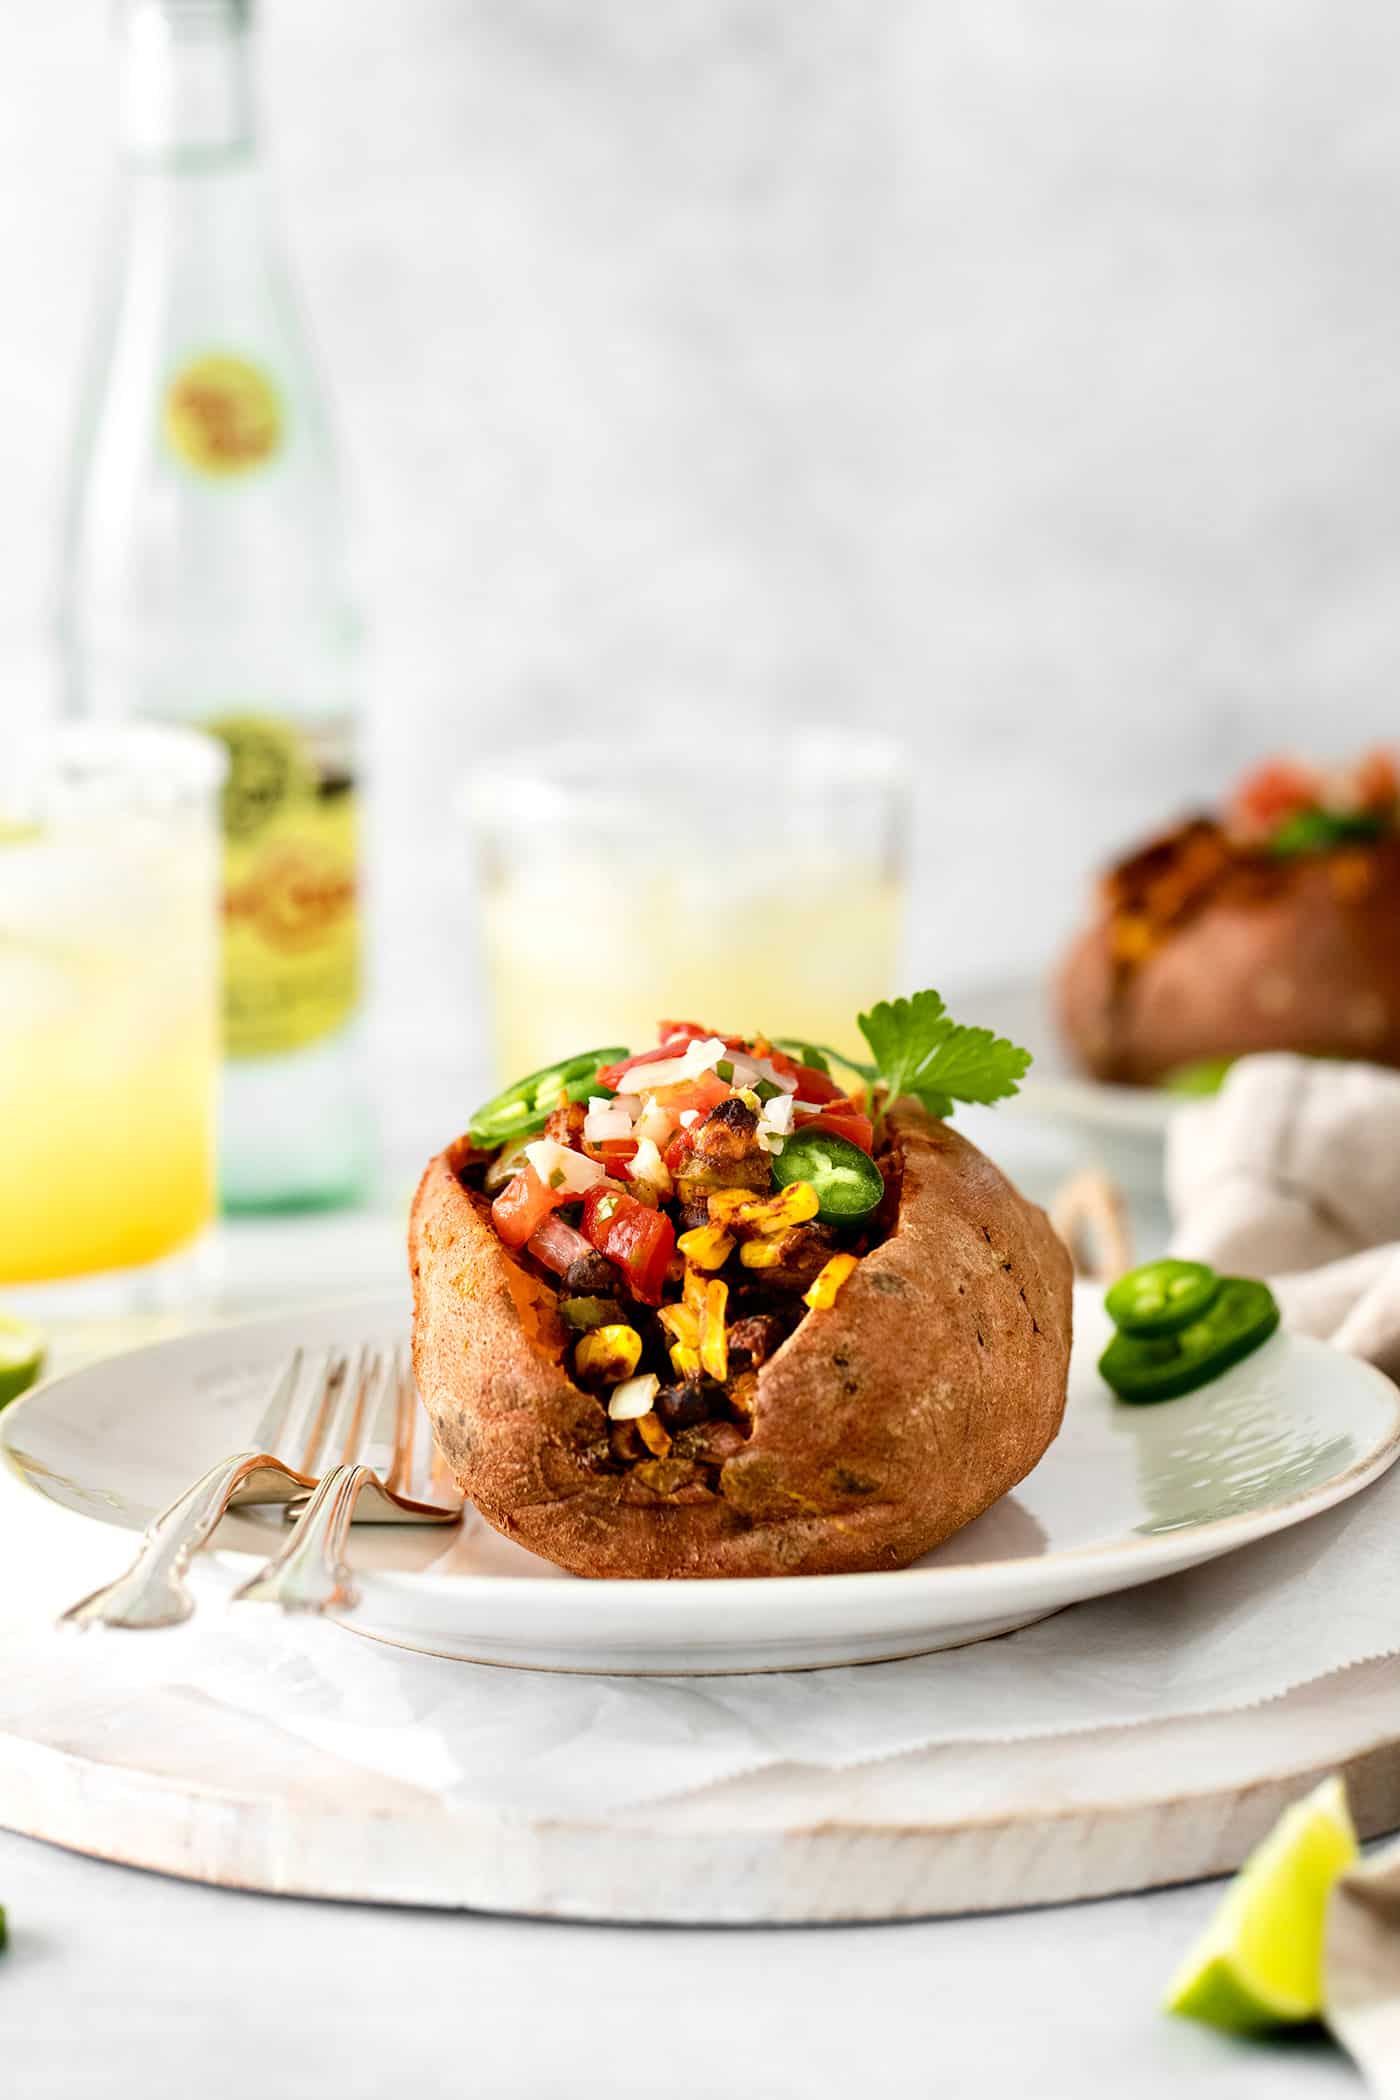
column 920, row 1049
column 820, row 1057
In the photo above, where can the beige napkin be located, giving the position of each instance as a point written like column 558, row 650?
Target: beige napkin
column 1361, row 1968
column 1293, row 1172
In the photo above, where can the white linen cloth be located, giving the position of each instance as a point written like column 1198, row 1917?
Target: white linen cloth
column 1293, row 1171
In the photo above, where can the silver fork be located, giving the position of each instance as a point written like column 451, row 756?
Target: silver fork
column 153, row 1590
column 310, row 1573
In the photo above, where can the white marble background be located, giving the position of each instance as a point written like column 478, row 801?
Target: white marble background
column 1023, row 377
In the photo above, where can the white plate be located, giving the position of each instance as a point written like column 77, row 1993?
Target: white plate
column 1125, row 1495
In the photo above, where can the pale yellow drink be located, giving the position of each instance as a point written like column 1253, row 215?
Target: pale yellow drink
column 108, row 1037
column 598, row 953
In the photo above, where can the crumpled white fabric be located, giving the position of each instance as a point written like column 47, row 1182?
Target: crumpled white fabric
column 1293, row 1172
column 518, row 1743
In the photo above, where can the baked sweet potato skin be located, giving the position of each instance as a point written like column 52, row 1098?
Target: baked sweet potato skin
column 882, row 1425
column 1304, row 956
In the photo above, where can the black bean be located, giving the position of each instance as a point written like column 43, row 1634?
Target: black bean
column 680, row 1406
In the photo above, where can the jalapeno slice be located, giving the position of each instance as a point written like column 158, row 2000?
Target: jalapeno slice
column 1162, row 1297
column 848, row 1183
column 1143, row 1368
column 527, row 1105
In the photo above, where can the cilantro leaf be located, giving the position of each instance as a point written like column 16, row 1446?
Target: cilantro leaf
column 921, row 1050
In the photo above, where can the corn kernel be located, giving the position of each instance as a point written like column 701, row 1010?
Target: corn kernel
column 693, row 1294
column 682, row 1322
column 828, row 1282
column 714, row 1343
column 685, row 1360
column 740, row 1208
column 610, row 1353
column 654, row 1434
column 763, row 1254
column 708, row 1246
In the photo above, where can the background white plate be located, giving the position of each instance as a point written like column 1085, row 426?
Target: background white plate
column 1123, row 1496
column 1054, row 1086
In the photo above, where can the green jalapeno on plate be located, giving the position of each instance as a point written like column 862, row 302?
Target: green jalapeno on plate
column 1162, row 1297
column 1142, row 1368
column 848, row 1183
column 528, row 1104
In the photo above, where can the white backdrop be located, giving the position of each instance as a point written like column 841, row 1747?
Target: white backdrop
column 1025, row 378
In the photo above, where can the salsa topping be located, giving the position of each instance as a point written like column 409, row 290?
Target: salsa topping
column 690, row 1205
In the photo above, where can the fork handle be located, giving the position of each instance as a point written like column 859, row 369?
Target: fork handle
column 153, row 1591
column 311, row 1572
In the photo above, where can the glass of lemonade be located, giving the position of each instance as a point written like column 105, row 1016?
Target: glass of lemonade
column 747, row 881
column 109, row 947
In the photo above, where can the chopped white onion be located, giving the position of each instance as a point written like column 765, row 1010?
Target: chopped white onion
column 633, row 1397
column 777, row 1115
column 763, row 1068
column 606, row 1120
column 655, row 1122
column 575, row 1172
column 689, row 1116
column 647, row 1165
column 699, row 1057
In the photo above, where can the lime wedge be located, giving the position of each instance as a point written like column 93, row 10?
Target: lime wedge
column 1259, row 1963
column 21, row 1358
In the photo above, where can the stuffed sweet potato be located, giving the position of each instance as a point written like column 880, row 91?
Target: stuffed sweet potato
column 735, row 1366
column 1275, row 926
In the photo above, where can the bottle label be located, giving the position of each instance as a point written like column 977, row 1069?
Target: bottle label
column 291, row 922
column 222, row 415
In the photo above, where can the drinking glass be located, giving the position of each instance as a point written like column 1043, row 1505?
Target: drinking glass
column 745, row 881
column 109, row 933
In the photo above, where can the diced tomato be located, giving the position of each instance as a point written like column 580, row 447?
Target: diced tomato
column 815, row 1086
column 676, row 1036
column 678, row 1152
column 523, row 1205
column 843, row 1119
column 640, row 1241
column 611, row 1152
column 701, row 1094
column 556, row 1244
column 1279, row 789
column 686, row 1032
column 612, row 1076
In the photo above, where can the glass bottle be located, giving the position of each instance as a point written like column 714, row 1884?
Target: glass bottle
column 205, row 580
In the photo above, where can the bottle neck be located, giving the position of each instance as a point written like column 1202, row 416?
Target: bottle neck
column 186, row 81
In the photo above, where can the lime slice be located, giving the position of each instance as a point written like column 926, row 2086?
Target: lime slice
column 21, row 1358
column 1259, row 1963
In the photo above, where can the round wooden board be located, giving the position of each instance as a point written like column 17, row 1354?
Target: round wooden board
column 175, row 1782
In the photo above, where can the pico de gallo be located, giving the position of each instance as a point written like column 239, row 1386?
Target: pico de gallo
column 688, row 1206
